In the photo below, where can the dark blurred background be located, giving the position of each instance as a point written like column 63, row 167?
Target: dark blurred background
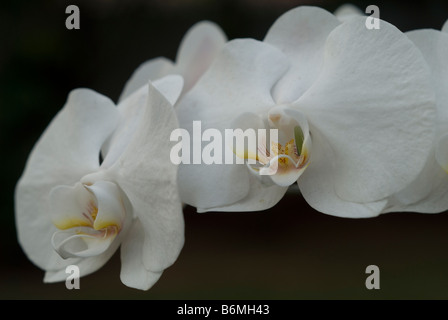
column 287, row 252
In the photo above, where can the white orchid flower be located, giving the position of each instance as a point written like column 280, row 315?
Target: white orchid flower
column 445, row 26
column 71, row 209
column 197, row 50
column 357, row 104
column 428, row 193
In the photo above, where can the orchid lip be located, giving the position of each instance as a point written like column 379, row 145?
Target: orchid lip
column 83, row 242
column 283, row 165
column 285, row 156
column 88, row 217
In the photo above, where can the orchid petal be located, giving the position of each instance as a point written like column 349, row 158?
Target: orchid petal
column 262, row 196
column 434, row 47
column 431, row 187
column 347, row 11
column 373, row 104
column 196, row 180
column 425, row 193
column 300, row 33
column 317, row 185
column 240, row 80
column 133, row 272
column 148, row 71
column 131, row 110
column 170, row 87
column 67, row 150
column 445, row 26
column 146, row 175
column 199, row 47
